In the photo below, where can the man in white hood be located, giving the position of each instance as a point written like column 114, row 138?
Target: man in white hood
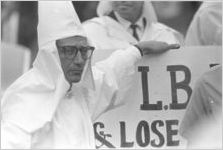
column 54, row 103
column 121, row 23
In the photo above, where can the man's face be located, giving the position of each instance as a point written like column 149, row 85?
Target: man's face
column 128, row 9
column 72, row 52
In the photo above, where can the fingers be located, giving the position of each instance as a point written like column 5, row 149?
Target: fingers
column 168, row 47
column 173, row 46
column 153, row 47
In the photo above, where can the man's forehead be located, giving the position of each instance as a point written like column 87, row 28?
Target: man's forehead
column 74, row 40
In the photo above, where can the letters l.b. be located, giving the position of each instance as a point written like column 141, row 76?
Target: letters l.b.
column 184, row 85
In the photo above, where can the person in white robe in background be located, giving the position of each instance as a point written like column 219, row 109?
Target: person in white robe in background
column 206, row 26
column 110, row 31
column 202, row 122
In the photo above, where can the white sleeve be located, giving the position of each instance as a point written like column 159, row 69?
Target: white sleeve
column 97, row 33
column 163, row 33
column 12, row 137
column 169, row 36
column 114, row 77
column 196, row 111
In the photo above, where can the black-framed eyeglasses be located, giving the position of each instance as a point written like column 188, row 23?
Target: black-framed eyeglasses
column 70, row 52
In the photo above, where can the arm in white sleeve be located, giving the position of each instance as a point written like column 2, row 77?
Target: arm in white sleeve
column 114, row 77
column 169, row 36
column 13, row 137
column 166, row 34
column 196, row 111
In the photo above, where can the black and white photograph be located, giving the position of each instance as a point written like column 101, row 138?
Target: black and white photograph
column 111, row 74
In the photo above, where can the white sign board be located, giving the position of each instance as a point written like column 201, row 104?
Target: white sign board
column 157, row 102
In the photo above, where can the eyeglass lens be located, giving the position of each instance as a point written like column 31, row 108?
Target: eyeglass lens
column 71, row 51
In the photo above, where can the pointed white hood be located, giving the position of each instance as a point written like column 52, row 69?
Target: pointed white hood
column 105, row 7
column 59, row 20
column 35, row 95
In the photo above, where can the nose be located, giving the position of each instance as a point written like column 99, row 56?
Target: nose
column 78, row 59
column 125, row 2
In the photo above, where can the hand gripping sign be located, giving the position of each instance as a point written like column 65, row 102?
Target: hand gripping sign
column 157, row 100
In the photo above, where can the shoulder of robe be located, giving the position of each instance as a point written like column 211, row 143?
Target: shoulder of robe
column 24, row 80
column 209, row 8
column 28, row 81
column 97, row 21
column 166, row 29
column 160, row 26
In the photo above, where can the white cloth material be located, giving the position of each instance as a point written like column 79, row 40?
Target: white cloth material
column 126, row 24
column 206, row 26
column 37, row 111
column 107, row 33
column 202, row 121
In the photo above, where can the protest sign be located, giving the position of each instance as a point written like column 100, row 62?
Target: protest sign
column 157, row 101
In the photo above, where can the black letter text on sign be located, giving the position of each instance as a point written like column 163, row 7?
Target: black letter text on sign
column 143, row 126
column 124, row 143
column 179, row 85
column 145, row 91
column 171, row 132
column 158, row 133
column 101, row 136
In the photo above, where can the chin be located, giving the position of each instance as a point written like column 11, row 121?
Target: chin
column 74, row 79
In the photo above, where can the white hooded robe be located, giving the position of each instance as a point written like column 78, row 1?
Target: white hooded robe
column 37, row 110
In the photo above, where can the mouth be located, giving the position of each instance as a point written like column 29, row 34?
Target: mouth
column 124, row 6
column 74, row 72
